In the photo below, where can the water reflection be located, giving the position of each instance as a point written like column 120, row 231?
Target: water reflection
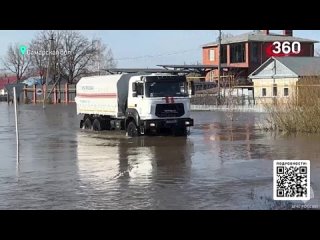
column 235, row 141
column 122, row 165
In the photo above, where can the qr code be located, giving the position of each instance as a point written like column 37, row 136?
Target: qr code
column 291, row 180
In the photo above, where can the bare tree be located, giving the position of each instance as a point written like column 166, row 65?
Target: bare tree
column 40, row 49
column 72, row 55
column 109, row 61
column 16, row 62
column 39, row 61
column 103, row 58
column 80, row 54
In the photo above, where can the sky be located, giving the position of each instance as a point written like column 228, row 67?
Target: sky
column 147, row 48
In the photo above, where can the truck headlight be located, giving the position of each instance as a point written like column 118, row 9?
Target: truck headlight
column 187, row 123
column 152, row 124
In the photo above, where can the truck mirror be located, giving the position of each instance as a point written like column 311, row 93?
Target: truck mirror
column 134, row 94
column 134, row 87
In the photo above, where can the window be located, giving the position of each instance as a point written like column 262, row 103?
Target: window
column 139, row 89
column 166, row 89
column 211, row 55
column 237, row 53
column 254, row 52
column 275, row 91
column 286, row 91
column 264, row 92
column 223, row 53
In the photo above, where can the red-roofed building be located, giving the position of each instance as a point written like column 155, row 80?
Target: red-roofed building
column 4, row 80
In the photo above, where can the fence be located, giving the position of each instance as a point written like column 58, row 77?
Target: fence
column 65, row 94
column 212, row 99
column 236, row 108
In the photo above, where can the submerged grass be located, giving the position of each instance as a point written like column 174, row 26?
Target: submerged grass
column 298, row 113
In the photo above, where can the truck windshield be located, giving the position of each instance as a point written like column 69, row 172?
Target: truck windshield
column 166, row 89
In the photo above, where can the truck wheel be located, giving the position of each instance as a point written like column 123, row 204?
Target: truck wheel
column 96, row 126
column 87, row 124
column 104, row 125
column 132, row 129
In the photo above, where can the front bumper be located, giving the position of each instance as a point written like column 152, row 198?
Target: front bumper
column 168, row 123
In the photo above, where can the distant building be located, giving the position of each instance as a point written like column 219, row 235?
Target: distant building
column 4, row 80
column 242, row 54
column 277, row 78
column 31, row 81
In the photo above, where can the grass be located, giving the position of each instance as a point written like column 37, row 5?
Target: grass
column 298, row 113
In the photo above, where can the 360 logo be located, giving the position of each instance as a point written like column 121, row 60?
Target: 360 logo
column 280, row 49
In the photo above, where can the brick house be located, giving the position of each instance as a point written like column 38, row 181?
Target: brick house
column 244, row 53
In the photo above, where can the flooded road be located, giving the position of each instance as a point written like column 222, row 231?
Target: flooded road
column 221, row 165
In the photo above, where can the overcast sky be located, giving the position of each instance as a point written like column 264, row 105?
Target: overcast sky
column 148, row 48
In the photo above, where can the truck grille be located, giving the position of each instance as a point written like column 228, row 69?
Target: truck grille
column 169, row 110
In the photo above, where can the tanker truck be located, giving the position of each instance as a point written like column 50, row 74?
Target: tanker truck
column 138, row 103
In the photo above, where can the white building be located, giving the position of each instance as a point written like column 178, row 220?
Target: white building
column 277, row 77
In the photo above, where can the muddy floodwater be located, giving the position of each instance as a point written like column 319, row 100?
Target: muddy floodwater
column 222, row 164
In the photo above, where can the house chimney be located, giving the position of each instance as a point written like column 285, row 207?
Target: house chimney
column 265, row 32
column 287, row 32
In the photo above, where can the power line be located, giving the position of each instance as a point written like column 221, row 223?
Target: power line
column 158, row 55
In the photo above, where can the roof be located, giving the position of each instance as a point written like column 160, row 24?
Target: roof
column 259, row 37
column 302, row 66
column 32, row 81
column 199, row 66
column 299, row 66
column 141, row 70
column 187, row 66
column 5, row 80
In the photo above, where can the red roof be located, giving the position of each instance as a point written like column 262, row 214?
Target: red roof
column 5, row 80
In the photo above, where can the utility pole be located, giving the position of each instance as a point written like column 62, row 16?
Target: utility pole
column 219, row 65
column 99, row 56
column 48, row 71
column 97, row 45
